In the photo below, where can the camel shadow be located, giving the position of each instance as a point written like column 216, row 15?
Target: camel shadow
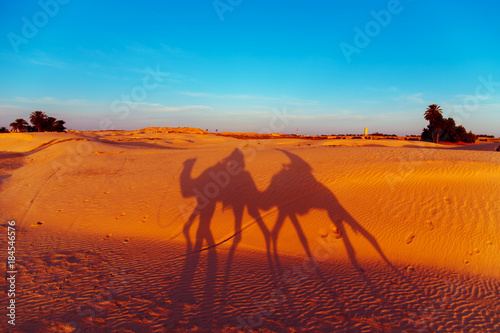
column 295, row 191
column 292, row 192
column 228, row 183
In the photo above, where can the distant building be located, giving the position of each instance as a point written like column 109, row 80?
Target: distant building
column 366, row 131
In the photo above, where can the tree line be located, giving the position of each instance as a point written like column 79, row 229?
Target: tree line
column 442, row 129
column 40, row 122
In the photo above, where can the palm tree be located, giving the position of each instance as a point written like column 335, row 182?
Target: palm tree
column 59, row 126
column 19, row 125
column 433, row 114
column 49, row 124
column 38, row 119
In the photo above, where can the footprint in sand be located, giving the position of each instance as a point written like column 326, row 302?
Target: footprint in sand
column 145, row 218
column 37, row 224
column 466, row 261
column 409, row 238
column 489, row 242
column 126, row 241
column 108, row 236
column 429, row 224
column 476, row 250
column 336, row 231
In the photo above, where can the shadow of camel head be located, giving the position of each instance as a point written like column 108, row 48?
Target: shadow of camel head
column 296, row 163
column 290, row 186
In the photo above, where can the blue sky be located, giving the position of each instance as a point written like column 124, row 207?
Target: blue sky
column 233, row 64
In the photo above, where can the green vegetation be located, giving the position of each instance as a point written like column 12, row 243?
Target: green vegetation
column 19, row 125
column 41, row 123
column 444, row 129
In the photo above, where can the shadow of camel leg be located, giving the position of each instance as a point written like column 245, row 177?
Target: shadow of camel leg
column 238, row 217
column 347, row 243
column 274, row 238
column 349, row 248
column 189, row 270
column 357, row 228
column 372, row 241
column 301, row 235
column 186, row 228
column 254, row 213
column 211, row 273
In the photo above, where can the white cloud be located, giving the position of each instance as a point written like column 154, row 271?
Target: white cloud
column 50, row 101
column 7, row 109
column 160, row 49
column 285, row 100
column 414, row 98
column 465, row 98
column 156, row 107
column 388, row 89
column 50, row 63
column 227, row 96
column 175, row 51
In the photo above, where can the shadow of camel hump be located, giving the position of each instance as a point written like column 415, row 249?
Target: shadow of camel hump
column 295, row 191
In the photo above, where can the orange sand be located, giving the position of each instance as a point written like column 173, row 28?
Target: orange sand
column 288, row 235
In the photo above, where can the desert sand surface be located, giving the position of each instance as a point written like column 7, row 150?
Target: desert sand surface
column 147, row 231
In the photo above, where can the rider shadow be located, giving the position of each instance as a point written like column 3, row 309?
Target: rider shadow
column 295, row 191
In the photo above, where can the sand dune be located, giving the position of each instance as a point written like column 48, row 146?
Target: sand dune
column 146, row 231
